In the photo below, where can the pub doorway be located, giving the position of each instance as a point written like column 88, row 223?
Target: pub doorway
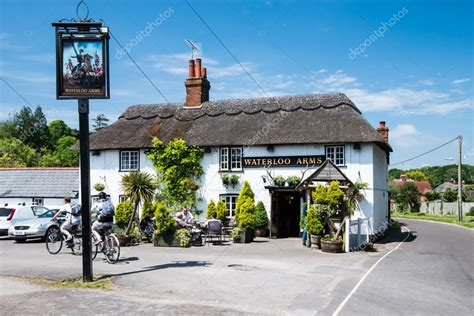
column 286, row 212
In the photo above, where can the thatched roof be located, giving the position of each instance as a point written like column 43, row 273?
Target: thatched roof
column 307, row 119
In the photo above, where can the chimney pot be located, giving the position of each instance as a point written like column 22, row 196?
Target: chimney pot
column 198, row 68
column 204, row 72
column 191, row 73
column 382, row 124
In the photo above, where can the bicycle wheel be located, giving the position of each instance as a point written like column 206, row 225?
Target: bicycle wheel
column 112, row 249
column 54, row 240
column 94, row 246
column 77, row 246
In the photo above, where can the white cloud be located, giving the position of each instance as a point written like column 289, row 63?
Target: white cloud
column 403, row 135
column 31, row 77
column 428, row 82
column 459, row 81
column 334, row 81
column 47, row 58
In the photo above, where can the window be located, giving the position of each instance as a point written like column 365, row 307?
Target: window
column 230, row 158
column 129, row 160
column 230, row 201
column 336, row 154
column 122, row 198
column 38, row 201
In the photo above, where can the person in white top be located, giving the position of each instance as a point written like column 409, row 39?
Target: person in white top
column 105, row 215
column 187, row 216
column 70, row 219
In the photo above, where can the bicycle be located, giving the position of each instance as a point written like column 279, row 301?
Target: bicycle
column 108, row 245
column 55, row 239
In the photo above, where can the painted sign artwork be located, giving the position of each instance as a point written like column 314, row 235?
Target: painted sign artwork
column 82, row 73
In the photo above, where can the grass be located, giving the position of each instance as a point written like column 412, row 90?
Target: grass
column 468, row 221
column 99, row 284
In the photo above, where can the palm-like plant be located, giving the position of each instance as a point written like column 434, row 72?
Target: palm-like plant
column 139, row 187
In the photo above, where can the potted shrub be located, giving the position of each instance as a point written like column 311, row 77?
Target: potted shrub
column 122, row 214
column 165, row 228
column 230, row 180
column 314, row 227
column 293, row 181
column 245, row 214
column 279, row 181
column 222, row 212
column 261, row 220
column 331, row 244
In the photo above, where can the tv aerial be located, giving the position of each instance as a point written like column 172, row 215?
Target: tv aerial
column 195, row 47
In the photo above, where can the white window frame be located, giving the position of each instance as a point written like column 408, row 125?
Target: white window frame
column 126, row 160
column 337, row 154
column 228, row 161
column 227, row 199
column 224, row 158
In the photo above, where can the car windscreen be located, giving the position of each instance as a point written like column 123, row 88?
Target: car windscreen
column 5, row 211
column 47, row 214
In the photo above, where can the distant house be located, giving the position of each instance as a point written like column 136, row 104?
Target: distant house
column 422, row 186
column 41, row 186
column 445, row 186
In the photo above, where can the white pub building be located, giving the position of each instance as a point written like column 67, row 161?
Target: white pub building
column 257, row 139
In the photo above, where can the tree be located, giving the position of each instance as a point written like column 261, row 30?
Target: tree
column 408, row 197
column 180, row 168
column 245, row 207
column 57, row 130
column 32, row 127
column 8, row 129
column 13, row 153
column 261, row 215
column 416, row 175
column 432, row 196
column 222, row 211
column 140, row 188
column 64, row 155
column 211, row 207
column 394, row 173
column 245, row 192
column 100, row 122
column 450, row 195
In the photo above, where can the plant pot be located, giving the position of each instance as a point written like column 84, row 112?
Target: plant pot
column 166, row 241
column 124, row 240
column 245, row 237
column 261, row 232
column 331, row 246
column 316, row 240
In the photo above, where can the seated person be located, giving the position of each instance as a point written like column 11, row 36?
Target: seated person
column 187, row 216
column 181, row 222
column 214, row 221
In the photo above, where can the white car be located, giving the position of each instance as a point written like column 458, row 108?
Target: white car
column 9, row 215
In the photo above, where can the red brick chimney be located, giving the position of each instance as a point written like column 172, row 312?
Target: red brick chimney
column 383, row 130
column 197, row 85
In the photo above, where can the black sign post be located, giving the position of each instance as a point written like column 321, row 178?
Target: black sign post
column 82, row 73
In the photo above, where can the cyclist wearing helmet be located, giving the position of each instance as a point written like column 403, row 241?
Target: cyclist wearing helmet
column 105, row 215
column 72, row 219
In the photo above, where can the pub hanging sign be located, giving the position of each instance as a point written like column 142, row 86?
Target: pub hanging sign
column 82, row 60
column 283, row 161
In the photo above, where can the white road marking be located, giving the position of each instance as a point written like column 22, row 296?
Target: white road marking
column 348, row 297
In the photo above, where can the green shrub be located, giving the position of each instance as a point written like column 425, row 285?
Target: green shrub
column 247, row 217
column 184, row 237
column 123, row 212
column 236, row 232
column 230, row 180
column 99, row 187
column 245, row 192
column 165, row 223
column 293, row 181
column 261, row 215
column 450, row 195
column 222, row 211
column 211, row 207
column 471, row 211
column 279, row 181
column 313, row 224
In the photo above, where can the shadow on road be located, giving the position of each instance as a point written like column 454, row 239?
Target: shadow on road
column 396, row 236
column 174, row 264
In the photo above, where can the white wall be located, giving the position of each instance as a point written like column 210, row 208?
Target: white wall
column 359, row 167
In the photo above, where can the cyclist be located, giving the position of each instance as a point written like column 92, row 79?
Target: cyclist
column 105, row 215
column 72, row 219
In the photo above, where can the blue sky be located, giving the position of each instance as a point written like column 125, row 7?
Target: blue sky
column 407, row 63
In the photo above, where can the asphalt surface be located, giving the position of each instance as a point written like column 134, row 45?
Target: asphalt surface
column 431, row 273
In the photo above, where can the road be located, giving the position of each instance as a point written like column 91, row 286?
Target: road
column 431, row 272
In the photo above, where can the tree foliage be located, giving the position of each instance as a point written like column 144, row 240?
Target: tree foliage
column 261, row 215
column 245, row 210
column 63, row 156
column 211, row 207
column 122, row 214
column 32, row 127
column 57, row 130
column 139, row 187
column 313, row 222
column 417, row 175
column 179, row 168
column 407, row 197
column 222, row 211
column 437, row 175
column 100, row 121
column 14, row 153
column 450, row 195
